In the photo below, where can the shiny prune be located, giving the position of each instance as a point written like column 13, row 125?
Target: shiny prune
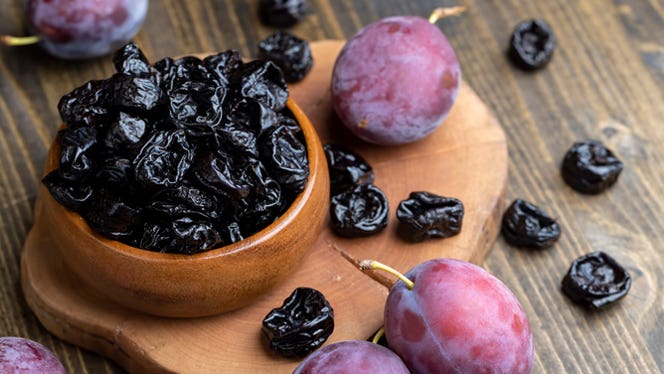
column 164, row 159
column 110, row 214
column 196, row 107
column 71, row 195
column 360, row 211
column 596, row 280
column 426, row 215
column 131, row 60
column 302, row 324
column 347, row 168
column 526, row 225
column 290, row 53
column 135, row 93
column 282, row 13
column 223, row 64
column 286, row 158
column 182, row 201
column 76, row 152
column 263, row 82
column 532, row 44
column 589, row 167
column 125, row 131
column 86, row 105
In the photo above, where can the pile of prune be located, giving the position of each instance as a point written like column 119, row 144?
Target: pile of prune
column 180, row 156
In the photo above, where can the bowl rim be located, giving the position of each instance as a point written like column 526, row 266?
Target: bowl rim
column 251, row 242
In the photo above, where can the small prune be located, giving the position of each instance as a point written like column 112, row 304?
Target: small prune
column 532, row 44
column 223, row 64
column 75, row 152
column 135, row 93
column 589, row 167
column 126, row 130
column 282, row 13
column 526, row 225
column 286, row 158
column 164, row 159
column 131, row 60
column 290, row 53
column 86, row 105
column 596, row 280
column 302, row 324
column 263, row 82
column 111, row 215
column 347, row 168
column 71, row 195
column 426, row 215
column 359, row 211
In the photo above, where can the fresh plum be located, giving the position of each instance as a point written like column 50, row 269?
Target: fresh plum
column 352, row 356
column 457, row 318
column 24, row 356
column 395, row 81
column 75, row 29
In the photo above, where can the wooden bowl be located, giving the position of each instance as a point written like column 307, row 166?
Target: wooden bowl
column 203, row 284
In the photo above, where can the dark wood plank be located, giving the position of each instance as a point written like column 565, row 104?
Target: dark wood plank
column 606, row 81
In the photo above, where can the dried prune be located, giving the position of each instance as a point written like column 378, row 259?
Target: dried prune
column 596, row 280
column 131, row 60
column 347, row 169
column 589, row 167
column 532, row 44
column 359, row 211
column 426, row 215
column 282, row 13
column 164, row 159
column 181, row 156
column 526, row 225
column 290, row 53
column 302, row 324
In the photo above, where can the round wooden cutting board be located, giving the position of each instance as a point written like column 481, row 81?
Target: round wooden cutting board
column 465, row 158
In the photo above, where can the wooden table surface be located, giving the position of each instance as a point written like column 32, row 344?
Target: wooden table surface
column 606, row 81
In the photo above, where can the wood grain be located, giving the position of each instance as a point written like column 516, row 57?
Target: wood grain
column 69, row 306
column 606, row 81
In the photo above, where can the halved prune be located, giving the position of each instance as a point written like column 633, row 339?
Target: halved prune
column 589, row 167
column 359, row 211
column 282, row 13
column 426, row 215
column 596, row 280
column 526, row 225
column 302, row 324
column 290, row 53
column 164, row 159
column 347, row 168
column 532, row 44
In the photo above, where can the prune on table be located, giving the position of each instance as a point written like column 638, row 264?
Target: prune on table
column 302, row 324
column 263, row 82
column 135, row 93
column 359, row 211
column 282, row 13
column 290, row 53
column 71, row 195
column 526, row 225
column 164, row 159
column 596, row 280
column 181, row 156
column 532, row 44
column 86, row 105
column 426, row 215
column 589, row 167
column 347, row 168
column 131, row 60
column 286, row 158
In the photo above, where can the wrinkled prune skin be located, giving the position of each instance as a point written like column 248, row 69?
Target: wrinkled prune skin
column 426, row 215
column 347, row 168
column 181, row 156
column 596, row 280
column 291, row 54
column 282, row 13
column 526, row 225
column 360, row 211
column 302, row 324
column 532, row 44
column 589, row 167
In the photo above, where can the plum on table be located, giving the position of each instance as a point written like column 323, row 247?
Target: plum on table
column 25, row 356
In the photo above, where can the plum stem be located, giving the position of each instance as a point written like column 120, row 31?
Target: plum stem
column 375, row 265
column 19, row 40
column 442, row 12
column 379, row 334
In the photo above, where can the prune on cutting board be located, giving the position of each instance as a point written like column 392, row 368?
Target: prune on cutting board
column 532, row 44
column 426, row 215
column 291, row 54
column 282, row 13
column 526, row 225
column 359, row 211
column 589, row 167
column 302, row 324
column 596, row 280
column 181, row 156
column 347, row 169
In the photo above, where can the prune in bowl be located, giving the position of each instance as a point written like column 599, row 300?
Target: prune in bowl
column 199, row 284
